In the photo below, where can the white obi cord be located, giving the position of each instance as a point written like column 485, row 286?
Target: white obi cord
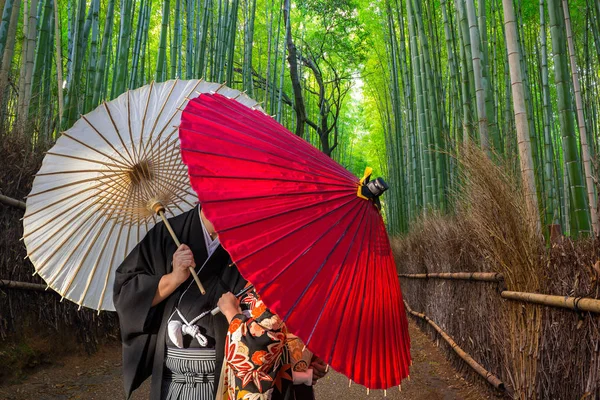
column 177, row 329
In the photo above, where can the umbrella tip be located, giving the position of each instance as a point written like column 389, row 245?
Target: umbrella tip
column 79, row 308
column 349, row 382
column 408, row 377
column 47, row 287
column 384, row 392
column 368, row 391
column 26, row 257
column 34, row 273
column 400, row 387
column 326, row 367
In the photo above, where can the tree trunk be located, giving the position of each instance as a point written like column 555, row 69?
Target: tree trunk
column 299, row 105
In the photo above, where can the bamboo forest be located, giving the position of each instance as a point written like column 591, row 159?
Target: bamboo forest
column 482, row 117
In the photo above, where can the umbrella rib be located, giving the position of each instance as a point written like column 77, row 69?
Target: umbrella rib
column 75, row 171
column 123, row 164
column 66, row 185
column 178, row 109
column 328, row 297
column 57, row 231
column 276, row 195
column 360, row 319
column 254, row 161
column 76, row 247
column 306, row 250
column 310, row 222
column 112, row 260
column 47, row 207
column 84, row 159
column 332, row 353
column 252, row 116
column 195, row 175
column 342, row 236
column 280, row 155
column 96, row 263
column 112, row 121
column 164, row 104
column 288, row 211
column 139, row 156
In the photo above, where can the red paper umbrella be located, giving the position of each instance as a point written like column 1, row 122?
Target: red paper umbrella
column 294, row 223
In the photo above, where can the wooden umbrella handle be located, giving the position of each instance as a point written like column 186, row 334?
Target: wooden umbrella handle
column 161, row 212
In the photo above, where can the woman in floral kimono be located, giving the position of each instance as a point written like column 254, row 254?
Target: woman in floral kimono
column 262, row 360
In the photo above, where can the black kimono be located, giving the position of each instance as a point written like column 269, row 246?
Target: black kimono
column 143, row 327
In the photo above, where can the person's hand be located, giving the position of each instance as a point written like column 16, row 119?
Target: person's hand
column 319, row 368
column 229, row 306
column 183, row 259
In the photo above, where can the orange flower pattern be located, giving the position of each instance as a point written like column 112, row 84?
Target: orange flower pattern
column 256, row 353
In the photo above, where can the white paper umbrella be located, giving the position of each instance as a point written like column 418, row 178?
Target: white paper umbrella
column 99, row 187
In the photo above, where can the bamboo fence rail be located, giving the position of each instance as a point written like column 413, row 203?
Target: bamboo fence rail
column 491, row 378
column 568, row 302
column 468, row 276
column 9, row 201
column 23, row 285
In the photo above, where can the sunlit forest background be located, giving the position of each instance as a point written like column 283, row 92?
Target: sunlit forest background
column 399, row 85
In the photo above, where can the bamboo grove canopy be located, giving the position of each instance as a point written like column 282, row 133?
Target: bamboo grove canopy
column 416, row 78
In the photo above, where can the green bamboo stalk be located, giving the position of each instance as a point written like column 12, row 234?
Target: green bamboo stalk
column 122, row 62
column 73, row 86
column 176, row 42
column 161, row 62
column 423, row 132
column 93, row 61
column 525, row 155
column 583, row 138
column 552, row 212
column 29, row 43
column 101, row 74
column 579, row 212
column 189, row 41
column 41, row 53
column 478, row 76
column 138, row 44
column 5, row 23
column 232, row 26
column 203, row 40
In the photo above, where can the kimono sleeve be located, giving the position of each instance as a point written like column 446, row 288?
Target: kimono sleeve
column 136, row 282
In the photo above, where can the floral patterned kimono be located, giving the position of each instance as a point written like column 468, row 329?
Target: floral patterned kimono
column 257, row 359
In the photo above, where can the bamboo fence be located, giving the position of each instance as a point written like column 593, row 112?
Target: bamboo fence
column 487, row 375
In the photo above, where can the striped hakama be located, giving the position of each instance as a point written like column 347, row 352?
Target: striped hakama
column 189, row 374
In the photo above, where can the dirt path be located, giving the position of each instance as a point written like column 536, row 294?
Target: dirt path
column 98, row 377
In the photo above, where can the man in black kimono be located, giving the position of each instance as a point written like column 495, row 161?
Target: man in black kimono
column 154, row 293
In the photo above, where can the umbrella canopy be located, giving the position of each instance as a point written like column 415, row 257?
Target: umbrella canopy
column 89, row 204
column 297, row 226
